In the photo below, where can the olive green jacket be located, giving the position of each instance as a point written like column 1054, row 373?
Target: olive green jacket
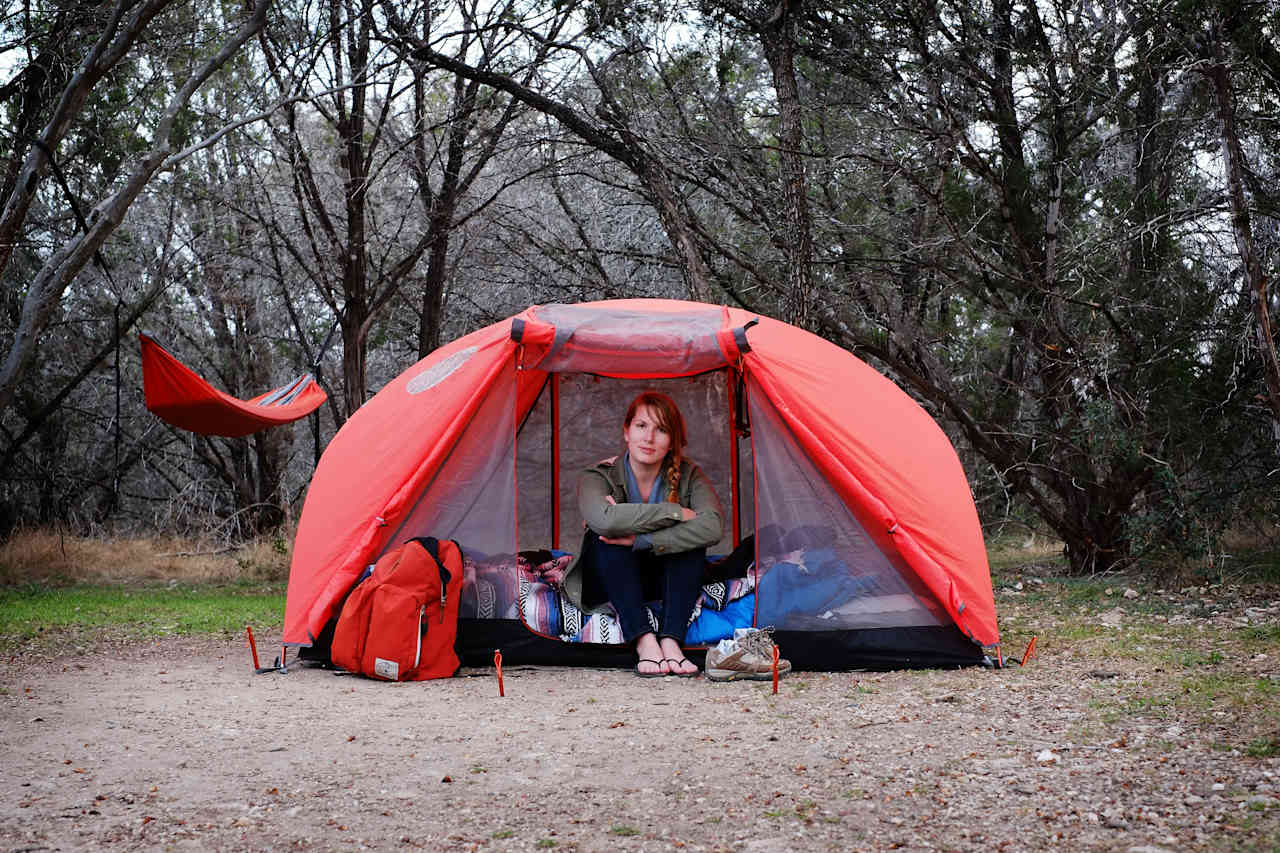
column 661, row 521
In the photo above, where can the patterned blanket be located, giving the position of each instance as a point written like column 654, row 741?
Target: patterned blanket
column 527, row 587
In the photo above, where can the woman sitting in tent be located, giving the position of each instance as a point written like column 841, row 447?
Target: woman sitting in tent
column 650, row 516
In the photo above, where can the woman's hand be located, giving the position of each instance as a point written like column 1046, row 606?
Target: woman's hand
column 628, row 540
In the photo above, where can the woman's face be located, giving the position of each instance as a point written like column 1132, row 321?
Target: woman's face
column 646, row 441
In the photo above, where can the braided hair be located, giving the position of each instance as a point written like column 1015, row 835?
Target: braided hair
column 667, row 414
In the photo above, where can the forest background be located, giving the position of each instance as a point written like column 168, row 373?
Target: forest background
column 1052, row 223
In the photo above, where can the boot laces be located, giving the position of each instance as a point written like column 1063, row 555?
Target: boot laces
column 758, row 642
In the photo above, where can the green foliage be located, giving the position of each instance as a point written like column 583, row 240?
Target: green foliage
column 1261, row 634
column 1196, row 659
column 1206, row 695
column 1263, row 748
column 1102, row 386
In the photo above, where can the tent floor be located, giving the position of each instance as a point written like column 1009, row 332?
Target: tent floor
column 827, row 651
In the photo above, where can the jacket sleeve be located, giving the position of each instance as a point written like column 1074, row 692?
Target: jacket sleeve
column 620, row 519
column 700, row 532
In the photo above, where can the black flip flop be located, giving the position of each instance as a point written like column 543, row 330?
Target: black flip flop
column 650, row 674
column 679, row 662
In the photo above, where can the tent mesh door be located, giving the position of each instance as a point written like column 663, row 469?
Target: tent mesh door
column 818, row 568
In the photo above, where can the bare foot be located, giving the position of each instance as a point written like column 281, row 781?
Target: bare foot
column 676, row 662
column 651, row 656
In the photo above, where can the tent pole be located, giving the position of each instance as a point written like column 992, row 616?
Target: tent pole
column 555, row 460
column 733, row 457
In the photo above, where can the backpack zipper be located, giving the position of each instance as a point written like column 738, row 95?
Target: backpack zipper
column 417, row 654
column 444, row 588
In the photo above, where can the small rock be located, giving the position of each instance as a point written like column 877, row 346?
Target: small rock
column 1130, row 593
column 1046, row 756
column 1218, row 786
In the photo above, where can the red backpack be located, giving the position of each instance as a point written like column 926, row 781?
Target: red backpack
column 400, row 623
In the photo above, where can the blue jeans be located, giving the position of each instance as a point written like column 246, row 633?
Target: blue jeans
column 627, row 579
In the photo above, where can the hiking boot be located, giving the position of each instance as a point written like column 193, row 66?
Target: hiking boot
column 749, row 655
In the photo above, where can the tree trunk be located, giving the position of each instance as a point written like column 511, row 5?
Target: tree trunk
column 778, row 39
column 434, row 288
column 1234, row 163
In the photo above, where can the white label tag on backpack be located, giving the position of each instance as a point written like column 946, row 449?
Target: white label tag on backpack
column 386, row 668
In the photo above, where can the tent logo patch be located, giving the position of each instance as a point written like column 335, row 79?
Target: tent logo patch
column 437, row 373
column 386, row 668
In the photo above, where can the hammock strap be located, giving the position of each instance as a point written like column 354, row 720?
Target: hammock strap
column 328, row 339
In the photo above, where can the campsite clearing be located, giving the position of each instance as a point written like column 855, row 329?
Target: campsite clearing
column 1147, row 722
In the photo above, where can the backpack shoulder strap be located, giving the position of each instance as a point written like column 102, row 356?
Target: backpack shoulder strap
column 431, row 543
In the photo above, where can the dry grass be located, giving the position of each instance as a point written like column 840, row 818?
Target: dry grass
column 50, row 557
column 1028, row 551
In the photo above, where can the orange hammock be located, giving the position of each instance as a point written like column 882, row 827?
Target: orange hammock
column 180, row 397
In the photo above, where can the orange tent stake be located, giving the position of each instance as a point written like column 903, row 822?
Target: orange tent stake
column 497, row 662
column 253, row 647
column 1030, row 652
column 775, row 669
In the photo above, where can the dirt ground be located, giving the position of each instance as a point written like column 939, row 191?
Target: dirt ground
column 177, row 745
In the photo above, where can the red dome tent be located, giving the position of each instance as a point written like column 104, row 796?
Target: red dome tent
column 863, row 541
